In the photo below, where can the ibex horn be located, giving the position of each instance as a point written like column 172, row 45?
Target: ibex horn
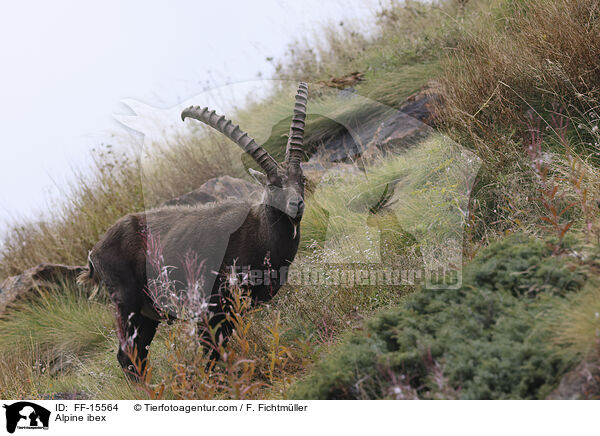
column 233, row 132
column 294, row 150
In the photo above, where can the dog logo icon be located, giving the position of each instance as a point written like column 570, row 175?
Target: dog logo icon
column 26, row 415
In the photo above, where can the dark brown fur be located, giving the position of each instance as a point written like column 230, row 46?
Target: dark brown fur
column 222, row 235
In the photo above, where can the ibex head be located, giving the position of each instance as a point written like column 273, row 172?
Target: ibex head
column 284, row 183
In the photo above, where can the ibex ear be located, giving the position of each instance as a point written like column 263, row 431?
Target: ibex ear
column 258, row 176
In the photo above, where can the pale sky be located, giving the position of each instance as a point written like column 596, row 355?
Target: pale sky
column 66, row 65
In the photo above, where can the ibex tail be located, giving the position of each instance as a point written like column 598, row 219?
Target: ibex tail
column 88, row 278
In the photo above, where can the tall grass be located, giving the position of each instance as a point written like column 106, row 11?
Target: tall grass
column 45, row 339
column 523, row 51
column 576, row 324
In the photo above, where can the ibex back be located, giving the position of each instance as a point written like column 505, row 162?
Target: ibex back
column 255, row 237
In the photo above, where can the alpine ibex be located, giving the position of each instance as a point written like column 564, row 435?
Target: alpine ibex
column 256, row 237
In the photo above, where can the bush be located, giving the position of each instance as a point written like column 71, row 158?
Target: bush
column 524, row 267
column 477, row 342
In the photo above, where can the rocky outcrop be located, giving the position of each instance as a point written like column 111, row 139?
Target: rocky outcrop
column 217, row 189
column 393, row 132
column 43, row 276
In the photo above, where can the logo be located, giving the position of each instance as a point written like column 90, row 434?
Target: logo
column 26, row 415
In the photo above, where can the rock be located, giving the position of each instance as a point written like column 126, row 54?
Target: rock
column 217, row 189
column 582, row 383
column 421, row 105
column 43, row 276
column 394, row 132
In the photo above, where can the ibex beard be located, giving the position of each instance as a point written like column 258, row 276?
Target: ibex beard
column 262, row 237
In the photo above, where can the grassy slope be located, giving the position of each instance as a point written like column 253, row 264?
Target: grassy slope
column 311, row 316
column 491, row 57
column 481, row 341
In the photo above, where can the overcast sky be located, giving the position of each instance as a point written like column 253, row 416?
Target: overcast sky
column 66, row 65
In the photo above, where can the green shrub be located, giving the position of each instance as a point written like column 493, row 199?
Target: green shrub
column 524, row 267
column 479, row 341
